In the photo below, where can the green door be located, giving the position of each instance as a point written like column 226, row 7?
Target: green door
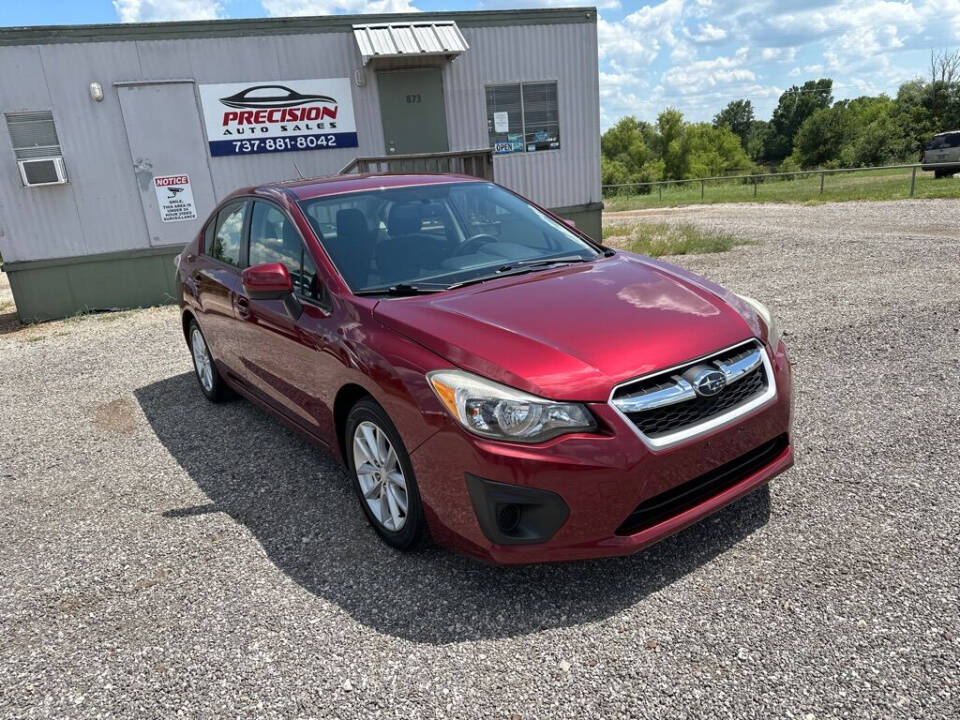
column 411, row 105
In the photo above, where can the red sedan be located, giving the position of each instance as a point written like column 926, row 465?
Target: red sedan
column 492, row 378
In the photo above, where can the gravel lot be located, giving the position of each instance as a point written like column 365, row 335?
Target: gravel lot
column 163, row 556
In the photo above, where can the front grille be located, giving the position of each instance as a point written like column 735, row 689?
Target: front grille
column 702, row 488
column 671, row 418
column 693, row 409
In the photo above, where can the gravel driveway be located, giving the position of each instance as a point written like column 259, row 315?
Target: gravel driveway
column 162, row 556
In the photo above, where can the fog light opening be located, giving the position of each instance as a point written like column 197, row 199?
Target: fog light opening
column 508, row 518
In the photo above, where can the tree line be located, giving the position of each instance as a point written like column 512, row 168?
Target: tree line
column 806, row 130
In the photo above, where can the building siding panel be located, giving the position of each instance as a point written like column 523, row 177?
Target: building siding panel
column 95, row 147
column 32, row 220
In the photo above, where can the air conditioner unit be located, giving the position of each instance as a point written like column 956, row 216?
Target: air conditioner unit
column 42, row 171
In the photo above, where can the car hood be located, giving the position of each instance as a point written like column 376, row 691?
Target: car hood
column 573, row 333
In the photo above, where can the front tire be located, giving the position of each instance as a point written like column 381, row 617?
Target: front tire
column 211, row 384
column 383, row 477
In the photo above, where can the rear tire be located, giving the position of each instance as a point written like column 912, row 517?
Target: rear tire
column 383, row 477
column 211, row 384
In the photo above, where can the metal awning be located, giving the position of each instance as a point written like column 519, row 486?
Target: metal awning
column 409, row 40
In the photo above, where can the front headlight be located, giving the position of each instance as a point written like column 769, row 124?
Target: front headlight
column 774, row 334
column 496, row 411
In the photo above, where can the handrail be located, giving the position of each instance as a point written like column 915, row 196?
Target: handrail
column 477, row 162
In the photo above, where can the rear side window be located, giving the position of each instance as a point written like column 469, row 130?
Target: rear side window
column 227, row 236
column 940, row 142
column 275, row 239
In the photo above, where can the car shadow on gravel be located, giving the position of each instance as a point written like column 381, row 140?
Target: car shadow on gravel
column 297, row 503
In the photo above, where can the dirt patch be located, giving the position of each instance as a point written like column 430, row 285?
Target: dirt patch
column 116, row 416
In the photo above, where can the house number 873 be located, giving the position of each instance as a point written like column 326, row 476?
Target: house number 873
column 413, row 98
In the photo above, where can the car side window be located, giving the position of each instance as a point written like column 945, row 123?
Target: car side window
column 228, row 236
column 275, row 239
column 208, row 232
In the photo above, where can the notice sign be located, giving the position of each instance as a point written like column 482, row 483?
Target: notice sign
column 278, row 116
column 175, row 198
column 501, row 122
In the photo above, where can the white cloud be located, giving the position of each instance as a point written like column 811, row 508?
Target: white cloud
column 787, row 54
column 623, row 47
column 163, row 10
column 290, row 8
column 656, row 17
column 694, row 78
column 707, row 33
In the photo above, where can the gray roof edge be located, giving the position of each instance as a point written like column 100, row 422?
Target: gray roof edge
column 115, row 32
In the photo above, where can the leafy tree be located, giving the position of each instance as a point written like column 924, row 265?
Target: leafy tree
column 757, row 138
column 668, row 143
column 738, row 116
column 852, row 133
column 709, row 151
column 637, row 152
column 629, row 142
column 795, row 106
column 628, row 155
column 830, row 137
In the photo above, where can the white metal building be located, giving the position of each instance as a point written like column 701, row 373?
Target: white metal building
column 118, row 140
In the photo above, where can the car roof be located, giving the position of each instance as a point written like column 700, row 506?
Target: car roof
column 308, row 188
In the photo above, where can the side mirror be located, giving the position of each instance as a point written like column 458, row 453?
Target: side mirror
column 270, row 281
column 571, row 223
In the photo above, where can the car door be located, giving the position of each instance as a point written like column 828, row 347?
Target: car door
column 216, row 277
column 289, row 362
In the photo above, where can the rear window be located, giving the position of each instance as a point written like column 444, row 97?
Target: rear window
column 228, row 235
column 941, row 142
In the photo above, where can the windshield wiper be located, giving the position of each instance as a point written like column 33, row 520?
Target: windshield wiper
column 538, row 262
column 399, row 290
column 519, row 268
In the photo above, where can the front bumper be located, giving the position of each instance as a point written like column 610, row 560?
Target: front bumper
column 600, row 479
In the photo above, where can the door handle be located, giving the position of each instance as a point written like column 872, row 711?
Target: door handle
column 243, row 306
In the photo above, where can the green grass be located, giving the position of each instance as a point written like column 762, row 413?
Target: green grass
column 656, row 239
column 864, row 185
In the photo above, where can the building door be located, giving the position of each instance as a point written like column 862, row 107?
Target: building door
column 167, row 147
column 414, row 116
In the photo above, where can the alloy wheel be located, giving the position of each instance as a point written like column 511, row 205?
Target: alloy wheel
column 380, row 476
column 201, row 359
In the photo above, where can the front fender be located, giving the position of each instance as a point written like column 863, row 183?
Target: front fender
column 392, row 369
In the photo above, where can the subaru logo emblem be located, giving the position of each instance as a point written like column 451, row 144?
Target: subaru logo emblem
column 709, row 382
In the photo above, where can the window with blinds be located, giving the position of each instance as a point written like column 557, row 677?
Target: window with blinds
column 523, row 117
column 33, row 135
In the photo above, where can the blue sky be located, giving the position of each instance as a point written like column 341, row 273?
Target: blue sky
column 695, row 55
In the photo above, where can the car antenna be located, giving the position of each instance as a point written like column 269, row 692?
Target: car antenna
column 297, row 169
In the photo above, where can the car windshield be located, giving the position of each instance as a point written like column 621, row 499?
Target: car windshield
column 431, row 237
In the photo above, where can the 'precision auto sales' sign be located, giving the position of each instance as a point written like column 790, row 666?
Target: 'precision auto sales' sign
column 278, row 116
